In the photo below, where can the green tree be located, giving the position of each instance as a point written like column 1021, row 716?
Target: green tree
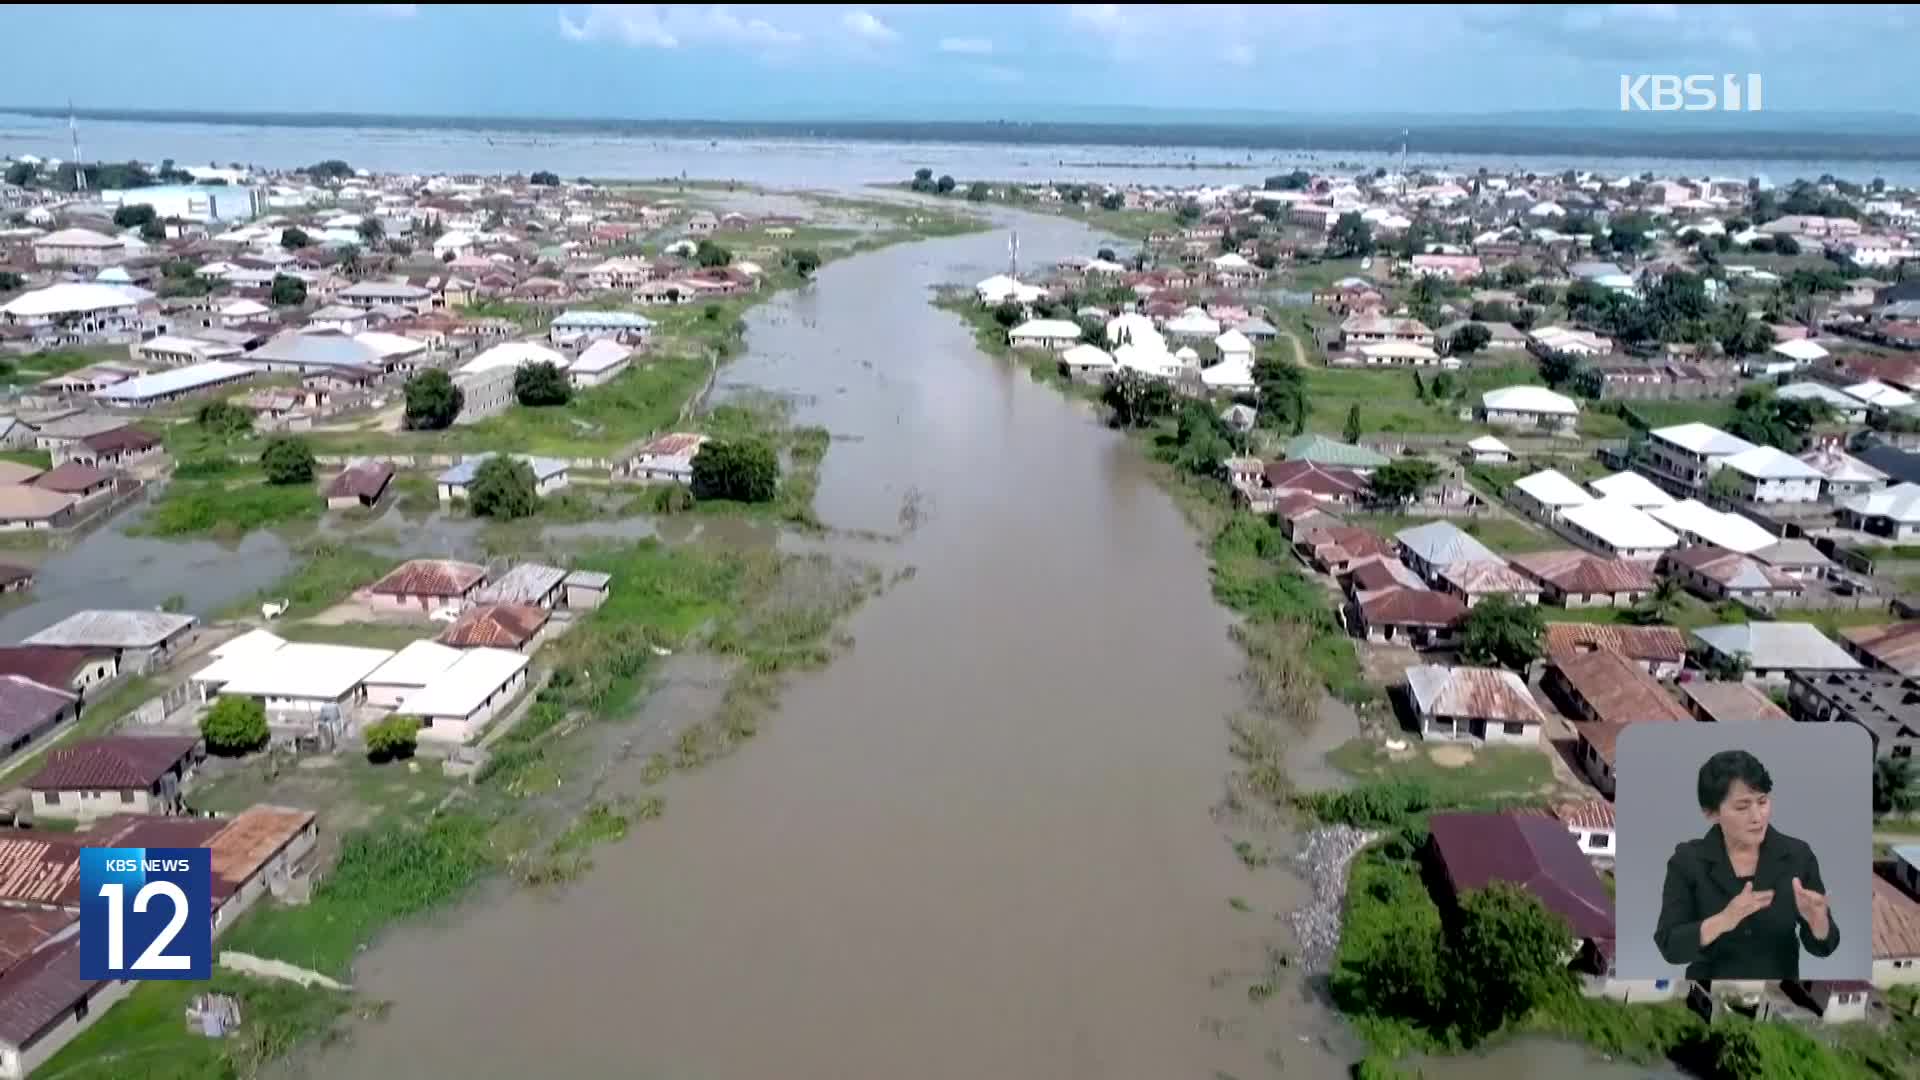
column 1896, row 786
column 977, row 192
column 1351, row 236
column 541, row 384
column 1470, row 339
column 153, row 232
column 1725, row 484
column 394, row 737
column 432, row 400
column 1761, row 416
column 1113, row 200
column 1187, row 212
column 1281, row 388
column 804, row 261
column 1009, row 314
column 330, row 169
column 1661, row 605
column 543, row 178
column 287, row 291
column 1403, row 480
column 1723, row 667
column 371, row 231
column 235, row 726
column 1506, row 953
column 711, row 255
column 503, row 487
column 740, row 470
column 224, row 419
column 133, row 216
column 945, row 185
column 1740, row 1049
column 287, row 461
column 1136, row 400
column 1786, row 245
column 1559, row 368
column 22, row 174
column 1443, row 386
column 1513, row 275
column 293, row 237
column 1502, row 631
column 1292, row 181
column 9, row 280
column 1351, row 432
column 922, row 180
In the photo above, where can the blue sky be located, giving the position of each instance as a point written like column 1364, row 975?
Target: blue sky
column 955, row 61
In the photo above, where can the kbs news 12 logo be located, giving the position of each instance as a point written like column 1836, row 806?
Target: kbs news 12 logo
column 146, row 913
column 1690, row 93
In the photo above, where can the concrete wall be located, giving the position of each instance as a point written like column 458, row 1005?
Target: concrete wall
column 87, row 805
column 17, row 1062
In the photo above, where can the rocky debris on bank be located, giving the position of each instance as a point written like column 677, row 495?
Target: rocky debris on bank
column 1323, row 861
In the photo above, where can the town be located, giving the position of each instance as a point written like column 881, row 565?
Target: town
column 208, row 351
column 1563, row 454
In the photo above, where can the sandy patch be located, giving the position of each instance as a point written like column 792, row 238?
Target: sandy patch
column 1450, row 757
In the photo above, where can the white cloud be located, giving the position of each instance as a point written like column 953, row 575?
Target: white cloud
column 1239, row 54
column 386, row 11
column 669, row 26
column 1110, row 18
column 867, row 26
column 967, row 46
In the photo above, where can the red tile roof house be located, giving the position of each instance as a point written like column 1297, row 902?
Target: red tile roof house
column 114, row 449
column 1467, row 852
column 1604, row 692
column 1582, row 579
column 1719, row 574
column 1416, row 617
column 63, row 667
column 1327, row 483
column 1475, row 580
column 29, row 710
column 83, row 482
column 1334, row 549
column 1482, row 705
column 359, row 485
column 117, row 774
column 1662, row 650
column 500, row 626
column 1892, row 647
column 425, row 585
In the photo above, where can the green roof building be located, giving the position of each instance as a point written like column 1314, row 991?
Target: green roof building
column 1324, row 451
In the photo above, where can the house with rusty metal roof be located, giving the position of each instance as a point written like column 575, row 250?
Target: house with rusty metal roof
column 426, row 584
column 1603, row 692
column 1896, row 927
column 1729, row 702
column 1484, row 705
column 141, row 640
column 1893, row 647
column 1662, row 650
column 1420, row 618
column 359, row 484
column 115, row 774
column 1473, row 851
column 1575, row 578
column 1473, row 582
column 1333, row 549
column 1718, row 574
column 1429, row 547
column 533, row 584
column 496, row 626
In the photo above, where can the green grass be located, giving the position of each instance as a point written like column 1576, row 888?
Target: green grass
column 34, row 367
column 145, row 1036
column 1310, row 276
column 39, row 459
column 1690, row 612
column 1502, row 534
column 366, row 635
column 1388, row 400
column 528, row 316
column 1496, row 772
column 324, row 573
column 1657, row 414
column 192, row 508
column 1494, row 480
column 384, row 874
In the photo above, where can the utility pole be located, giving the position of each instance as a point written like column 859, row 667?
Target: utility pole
column 1013, row 255
column 1403, row 163
column 73, row 129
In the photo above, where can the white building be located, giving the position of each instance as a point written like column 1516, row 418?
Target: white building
column 1547, row 494
column 1698, row 523
column 1054, row 335
column 169, row 351
column 1768, row 475
column 462, row 700
column 1530, row 406
column 299, row 677
column 574, row 327
column 1616, row 527
column 81, row 311
column 598, row 364
column 511, row 356
column 1473, row 704
column 78, row 247
column 1631, row 488
column 1687, row 454
column 409, row 671
column 1893, row 513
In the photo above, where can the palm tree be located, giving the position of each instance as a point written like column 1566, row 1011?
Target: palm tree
column 1660, row 604
column 1895, row 787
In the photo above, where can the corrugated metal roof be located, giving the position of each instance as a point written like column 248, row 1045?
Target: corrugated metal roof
column 1617, row 689
column 1664, row 644
column 1895, row 646
column 1473, row 693
column 1533, row 852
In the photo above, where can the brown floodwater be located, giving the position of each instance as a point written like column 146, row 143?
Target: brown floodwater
column 982, row 844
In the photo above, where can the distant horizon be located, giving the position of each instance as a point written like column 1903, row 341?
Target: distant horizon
column 1849, row 136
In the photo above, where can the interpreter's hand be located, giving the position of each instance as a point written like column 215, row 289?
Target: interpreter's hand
column 1745, row 903
column 1813, row 908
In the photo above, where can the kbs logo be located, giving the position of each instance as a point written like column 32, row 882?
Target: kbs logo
column 1689, row 93
column 146, row 913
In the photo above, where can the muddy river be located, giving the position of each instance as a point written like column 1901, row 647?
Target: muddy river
column 982, row 843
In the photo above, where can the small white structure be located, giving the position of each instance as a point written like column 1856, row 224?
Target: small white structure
column 667, row 458
column 297, row 677
column 549, row 475
column 1055, row 335
column 1534, row 406
column 511, row 356
column 1547, row 494
column 1235, row 346
column 1893, row 513
column 1800, row 353
column 1631, row 488
column 463, row 699
column 1688, row 454
column 1481, row 705
column 1878, row 395
column 1000, row 288
column 600, row 363
column 1087, row 363
column 1702, row 524
column 1487, row 450
column 1194, row 323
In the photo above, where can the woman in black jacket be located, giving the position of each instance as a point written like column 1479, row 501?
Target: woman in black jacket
column 1741, row 901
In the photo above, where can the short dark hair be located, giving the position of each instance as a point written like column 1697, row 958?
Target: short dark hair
column 1723, row 768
